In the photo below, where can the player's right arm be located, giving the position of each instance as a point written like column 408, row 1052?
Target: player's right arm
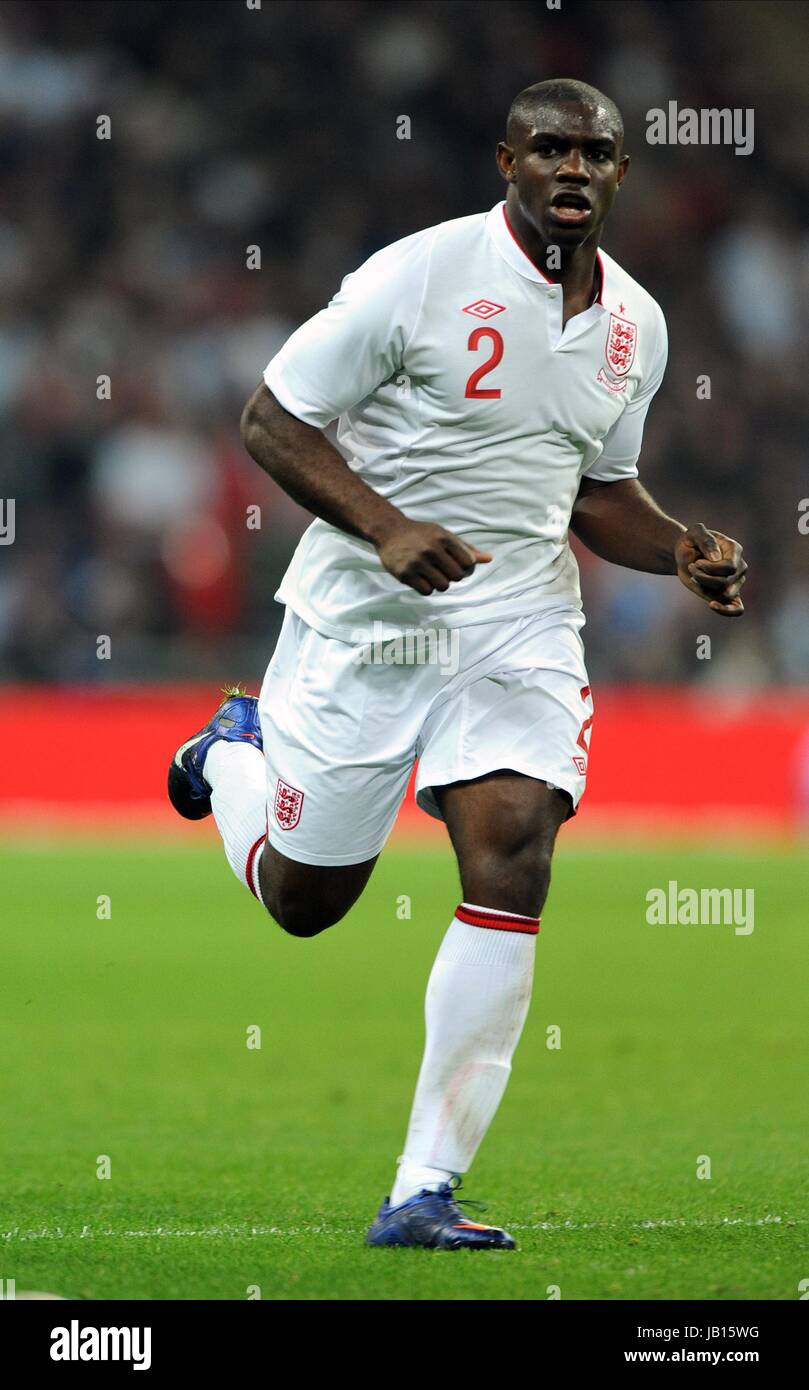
column 301, row 460
column 332, row 362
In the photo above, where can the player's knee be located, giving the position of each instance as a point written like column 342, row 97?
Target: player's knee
column 302, row 916
column 514, row 876
column 304, row 899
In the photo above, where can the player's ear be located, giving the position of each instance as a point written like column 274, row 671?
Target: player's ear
column 623, row 165
column 505, row 161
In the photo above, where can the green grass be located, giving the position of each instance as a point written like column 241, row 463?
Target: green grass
column 127, row 1038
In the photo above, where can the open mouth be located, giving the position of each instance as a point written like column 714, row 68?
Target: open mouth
column 570, row 208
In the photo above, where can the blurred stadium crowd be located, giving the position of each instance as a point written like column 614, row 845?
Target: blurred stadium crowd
column 233, row 127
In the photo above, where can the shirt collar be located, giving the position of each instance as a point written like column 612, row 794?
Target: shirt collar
column 503, row 236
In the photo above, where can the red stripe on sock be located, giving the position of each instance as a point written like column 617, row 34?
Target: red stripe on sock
column 248, row 873
column 497, row 921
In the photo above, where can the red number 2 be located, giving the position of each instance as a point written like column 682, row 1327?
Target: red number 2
column 472, row 390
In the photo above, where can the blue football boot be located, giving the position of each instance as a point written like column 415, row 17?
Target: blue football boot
column 236, row 721
column 435, row 1220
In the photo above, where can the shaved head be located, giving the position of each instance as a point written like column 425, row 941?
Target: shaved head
column 555, row 92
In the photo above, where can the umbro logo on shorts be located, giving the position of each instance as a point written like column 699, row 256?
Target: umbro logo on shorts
column 484, row 309
column 288, row 805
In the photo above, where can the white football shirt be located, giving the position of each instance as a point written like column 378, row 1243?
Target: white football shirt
column 460, row 398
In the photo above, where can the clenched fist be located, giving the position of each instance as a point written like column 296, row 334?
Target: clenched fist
column 425, row 556
column 711, row 566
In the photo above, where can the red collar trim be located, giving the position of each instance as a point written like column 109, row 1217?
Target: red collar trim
column 522, row 248
column 600, row 264
column 548, row 281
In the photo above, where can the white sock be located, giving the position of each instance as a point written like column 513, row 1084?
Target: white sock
column 477, row 1001
column 238, row 777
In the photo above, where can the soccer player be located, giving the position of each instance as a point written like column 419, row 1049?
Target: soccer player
column 490, row 378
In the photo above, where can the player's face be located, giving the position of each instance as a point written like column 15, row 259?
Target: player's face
column 567, row 167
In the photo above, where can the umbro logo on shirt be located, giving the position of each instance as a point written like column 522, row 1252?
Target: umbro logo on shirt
column 483, row 309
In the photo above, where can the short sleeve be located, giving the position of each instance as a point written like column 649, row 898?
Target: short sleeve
column 619, row 456
column 344, row 352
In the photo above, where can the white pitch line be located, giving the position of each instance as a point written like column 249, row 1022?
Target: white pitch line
column 247, row 1232
column 679, row 1222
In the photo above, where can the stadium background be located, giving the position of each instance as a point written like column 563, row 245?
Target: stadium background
column 128, row 258
column 234, row 128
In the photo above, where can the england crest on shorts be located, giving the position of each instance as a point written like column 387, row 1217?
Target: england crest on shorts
column 621, row 341
column 288, row 803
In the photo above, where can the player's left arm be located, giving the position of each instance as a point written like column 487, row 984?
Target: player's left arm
column 615, row 517
column 620, row 522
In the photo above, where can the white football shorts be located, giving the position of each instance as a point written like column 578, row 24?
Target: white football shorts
column 344, row 723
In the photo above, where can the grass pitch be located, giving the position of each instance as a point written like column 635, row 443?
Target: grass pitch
column 236, row 1169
